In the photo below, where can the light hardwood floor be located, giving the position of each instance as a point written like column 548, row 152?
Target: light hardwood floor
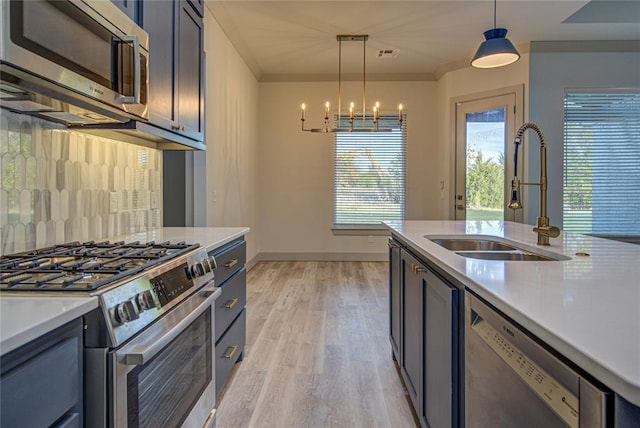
column 317, row 352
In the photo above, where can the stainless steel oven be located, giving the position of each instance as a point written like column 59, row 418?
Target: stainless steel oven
column 73, row 61
column 149, row 347
column 164, row 377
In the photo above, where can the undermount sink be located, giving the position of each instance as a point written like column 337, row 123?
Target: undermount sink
column 505, row 255
column 464, row 244
column 487, row 248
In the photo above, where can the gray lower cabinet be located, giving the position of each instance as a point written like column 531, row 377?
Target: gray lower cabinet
column 41, row 382
column 231, row 277
column 429, row 337
column 412, row 324
column 440, row 380
column 395, row 278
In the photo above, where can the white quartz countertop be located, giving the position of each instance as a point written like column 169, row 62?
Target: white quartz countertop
column 209, row 237
column 24, row 318
column 587, row 308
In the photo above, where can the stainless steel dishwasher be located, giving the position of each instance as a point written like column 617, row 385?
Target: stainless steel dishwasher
column 512, row 381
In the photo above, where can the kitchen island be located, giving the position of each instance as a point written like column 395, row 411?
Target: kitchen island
column 586, row 308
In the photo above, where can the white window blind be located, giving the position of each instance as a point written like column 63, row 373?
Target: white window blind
column 601, row 194
column 369, row 175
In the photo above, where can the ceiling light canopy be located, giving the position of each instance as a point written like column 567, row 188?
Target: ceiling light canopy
column 369, row 122
column 496, row 50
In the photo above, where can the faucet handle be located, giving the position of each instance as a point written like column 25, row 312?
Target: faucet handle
column 550, row 231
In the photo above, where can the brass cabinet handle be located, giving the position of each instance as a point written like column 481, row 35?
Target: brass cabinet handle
column 228, row 355
column 231, row 263
column 208, row 422
column 231, row 303
column 417, row 268
column 392, row 245
column 178, row 127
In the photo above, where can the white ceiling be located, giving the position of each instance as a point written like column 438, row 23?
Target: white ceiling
column 296, row 40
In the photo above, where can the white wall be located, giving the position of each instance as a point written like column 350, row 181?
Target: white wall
column 231, row 113
column 551, row 74
column 464, row 82
column 295, row 168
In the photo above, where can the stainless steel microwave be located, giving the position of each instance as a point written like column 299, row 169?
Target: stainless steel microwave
column 73, row 61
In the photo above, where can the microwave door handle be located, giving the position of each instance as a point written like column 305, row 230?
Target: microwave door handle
column 135, row 99
column 142, row 356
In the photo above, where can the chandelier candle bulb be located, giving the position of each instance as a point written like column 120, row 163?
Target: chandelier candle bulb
column 400, row 112
column 302, row 114
column 326, row 108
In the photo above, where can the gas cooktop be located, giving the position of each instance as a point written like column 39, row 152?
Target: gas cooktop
column 84, row 266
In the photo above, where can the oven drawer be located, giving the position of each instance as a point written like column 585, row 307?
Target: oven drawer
column 230, row 259
column 230, row 350
column 231, row 302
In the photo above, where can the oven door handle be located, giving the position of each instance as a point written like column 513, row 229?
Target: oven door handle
column 143, row 356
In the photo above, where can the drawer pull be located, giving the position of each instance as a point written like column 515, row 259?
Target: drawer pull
column 231, row 263
column 229, row 354
column 209, row 422
column 417, row 268
column 392, row 245
column 231, row 303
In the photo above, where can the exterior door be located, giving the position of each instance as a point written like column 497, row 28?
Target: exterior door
column 485, row 128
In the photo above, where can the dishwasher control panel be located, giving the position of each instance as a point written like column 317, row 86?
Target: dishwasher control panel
column 561, row 400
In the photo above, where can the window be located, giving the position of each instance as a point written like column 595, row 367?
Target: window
column 601, row 192
column 369, row 176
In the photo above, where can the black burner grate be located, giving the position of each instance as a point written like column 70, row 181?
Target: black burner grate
column 84, row 266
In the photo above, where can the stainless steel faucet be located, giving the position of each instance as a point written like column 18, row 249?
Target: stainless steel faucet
column 543, row 229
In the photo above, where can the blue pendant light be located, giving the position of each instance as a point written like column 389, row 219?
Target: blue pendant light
column 496, row 50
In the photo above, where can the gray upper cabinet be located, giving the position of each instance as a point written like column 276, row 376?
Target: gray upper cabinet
column 176, row 67
column 130, row 7
column 198, row 5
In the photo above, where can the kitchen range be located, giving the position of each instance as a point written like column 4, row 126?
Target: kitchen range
column 148, row 348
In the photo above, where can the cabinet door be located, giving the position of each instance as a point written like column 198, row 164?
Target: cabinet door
column 130, row 7
column 159, row 20
column 439, row 394
column 198, row 6
column 412, row 324
column 190, row 99
column 395, row 278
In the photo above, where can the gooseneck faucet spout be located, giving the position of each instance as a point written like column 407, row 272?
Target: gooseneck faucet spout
column 543, row 229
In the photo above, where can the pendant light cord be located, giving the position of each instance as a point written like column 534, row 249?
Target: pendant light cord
column 494, row 13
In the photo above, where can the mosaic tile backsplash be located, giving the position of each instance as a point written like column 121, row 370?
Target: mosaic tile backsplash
column 60, row 186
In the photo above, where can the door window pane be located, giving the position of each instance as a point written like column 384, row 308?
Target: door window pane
column 485, row 142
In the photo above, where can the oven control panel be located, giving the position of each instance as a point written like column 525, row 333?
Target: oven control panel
column 132, row 305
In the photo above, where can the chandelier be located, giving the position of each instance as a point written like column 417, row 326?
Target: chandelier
column 352, row 124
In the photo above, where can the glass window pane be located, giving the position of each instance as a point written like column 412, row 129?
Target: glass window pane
column 369, row 175
column 601, row 185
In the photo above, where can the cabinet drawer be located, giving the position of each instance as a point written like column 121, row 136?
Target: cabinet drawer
column 230, row 259
column 231, row 302
column 229, row 350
